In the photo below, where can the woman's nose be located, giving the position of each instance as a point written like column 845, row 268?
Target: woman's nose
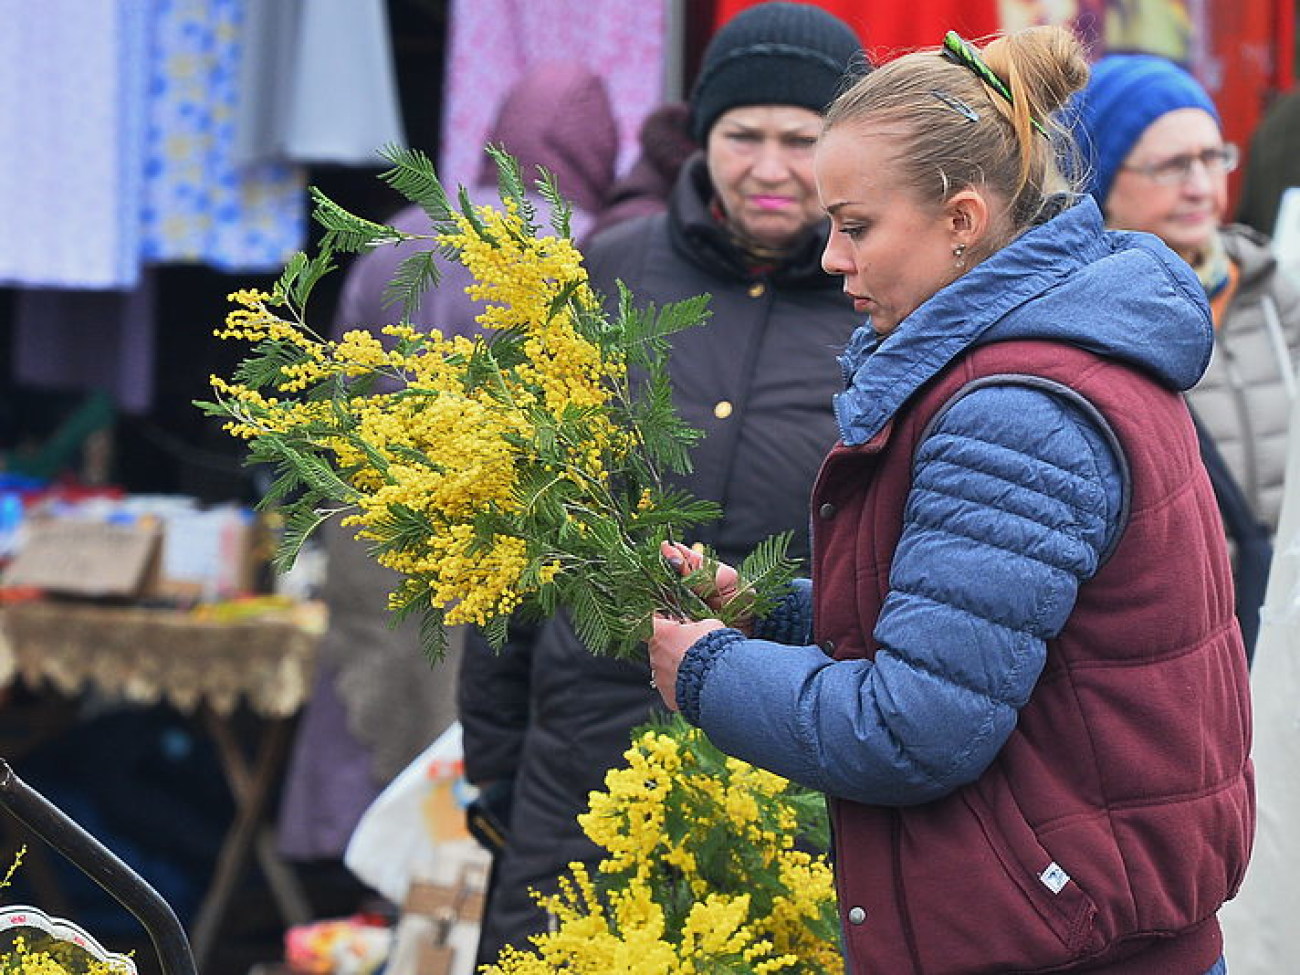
column 771, row 163
column 1199, row 180
column 835, row 255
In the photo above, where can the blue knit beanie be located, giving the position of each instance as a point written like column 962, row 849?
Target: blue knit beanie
column 1125, row 94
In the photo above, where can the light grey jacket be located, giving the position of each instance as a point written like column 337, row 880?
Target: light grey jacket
column 1244, row 398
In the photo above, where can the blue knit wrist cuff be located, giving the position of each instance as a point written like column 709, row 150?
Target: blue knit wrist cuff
column 695, row 666
column 790, row 620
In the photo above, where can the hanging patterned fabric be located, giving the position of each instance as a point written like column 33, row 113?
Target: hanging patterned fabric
column 493, row 41
column 72, row 82
column 200, row 204
column 317, row 83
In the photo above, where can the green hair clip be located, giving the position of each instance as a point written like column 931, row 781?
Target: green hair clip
column 959, row 51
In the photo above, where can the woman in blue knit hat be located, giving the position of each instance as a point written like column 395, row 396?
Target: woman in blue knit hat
column 1159, row 164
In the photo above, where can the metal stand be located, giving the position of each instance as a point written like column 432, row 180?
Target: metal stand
column 97, row 862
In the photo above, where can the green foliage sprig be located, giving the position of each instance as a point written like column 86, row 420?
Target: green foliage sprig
column 521, row 469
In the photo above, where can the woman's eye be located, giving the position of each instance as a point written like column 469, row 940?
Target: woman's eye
column 853, row 231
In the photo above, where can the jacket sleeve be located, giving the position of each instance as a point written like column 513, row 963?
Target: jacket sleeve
column 790, row 620
column 1016, row 496
column 492, row 697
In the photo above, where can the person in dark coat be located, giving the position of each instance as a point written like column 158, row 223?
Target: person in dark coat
column 1159, row 164
column 545, row 719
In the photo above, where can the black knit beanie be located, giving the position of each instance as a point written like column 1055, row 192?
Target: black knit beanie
column 773, row 54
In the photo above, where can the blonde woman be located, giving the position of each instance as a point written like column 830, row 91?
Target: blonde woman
column 1015, row 669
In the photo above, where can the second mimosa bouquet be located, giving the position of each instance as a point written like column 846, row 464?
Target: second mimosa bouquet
column 523, row 468
column 703, row 872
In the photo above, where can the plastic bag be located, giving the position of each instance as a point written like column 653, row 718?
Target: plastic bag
column 412, row 845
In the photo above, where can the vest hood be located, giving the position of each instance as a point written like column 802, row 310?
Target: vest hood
column 1117, row 294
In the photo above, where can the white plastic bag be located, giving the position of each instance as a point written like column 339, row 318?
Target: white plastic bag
column 417, row 820
column 412, row 846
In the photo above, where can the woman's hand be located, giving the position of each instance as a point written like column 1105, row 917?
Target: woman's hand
column 671, row 639
column 726, row 579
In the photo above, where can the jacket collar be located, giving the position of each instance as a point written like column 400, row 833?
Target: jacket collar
column 984, row 305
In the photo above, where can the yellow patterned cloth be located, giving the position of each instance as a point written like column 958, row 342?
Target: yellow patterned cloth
column 151, row 655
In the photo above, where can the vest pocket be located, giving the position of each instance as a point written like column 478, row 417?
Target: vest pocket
column 1044, row 883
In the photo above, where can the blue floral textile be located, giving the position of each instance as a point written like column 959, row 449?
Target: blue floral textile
column 200, row 205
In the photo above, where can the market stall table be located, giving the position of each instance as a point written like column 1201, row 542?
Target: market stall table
column 197, row 664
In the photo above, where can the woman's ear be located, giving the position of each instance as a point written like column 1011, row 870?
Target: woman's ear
column 968, row 216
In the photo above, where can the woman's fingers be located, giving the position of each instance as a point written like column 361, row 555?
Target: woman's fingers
column 684, row 560
column 681, row 557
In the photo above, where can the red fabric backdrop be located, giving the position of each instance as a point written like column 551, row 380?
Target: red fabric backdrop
column 1250, row 58
column 890, row 27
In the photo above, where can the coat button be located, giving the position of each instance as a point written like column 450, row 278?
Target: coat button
column 757, row 290
column 827, row 511
column 857, row 915
column 722, row 410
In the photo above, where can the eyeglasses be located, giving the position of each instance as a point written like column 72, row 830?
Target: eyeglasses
column 1176, row 169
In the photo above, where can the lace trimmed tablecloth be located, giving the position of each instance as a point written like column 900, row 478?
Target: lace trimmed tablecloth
column 152, row 655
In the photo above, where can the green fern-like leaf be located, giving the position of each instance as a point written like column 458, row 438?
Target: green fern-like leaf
column 302, row 274
column 510, row 183
column 594, row 621
column 561, row 209
column 667, row 438
column 403, row 529
column 411, row 596
column 345, row 231
column 562, row 298
column 433, row 635
column 414, row 176
column 415, row 276
column 765, row 575
column 496, row 631
column 466, row 208
column 284, row 487
column 299, row 526
column 318, row 475
column 266, row 366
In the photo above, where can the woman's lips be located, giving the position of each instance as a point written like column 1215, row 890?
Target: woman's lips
column 771, row 202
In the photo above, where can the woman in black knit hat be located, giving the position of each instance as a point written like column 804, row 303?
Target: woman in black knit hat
column 545, row 720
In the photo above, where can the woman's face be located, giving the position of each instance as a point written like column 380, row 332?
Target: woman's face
column 760, row 159
column 893, row 249
column 1185, row 211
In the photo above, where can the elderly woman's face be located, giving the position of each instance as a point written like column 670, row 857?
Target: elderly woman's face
column 761, row 160
column 1167, row 188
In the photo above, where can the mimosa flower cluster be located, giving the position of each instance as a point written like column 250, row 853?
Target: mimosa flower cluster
column 522, row 468
column 701, row 873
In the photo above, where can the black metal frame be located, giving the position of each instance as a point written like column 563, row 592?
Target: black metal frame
column 97, row 862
